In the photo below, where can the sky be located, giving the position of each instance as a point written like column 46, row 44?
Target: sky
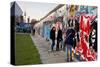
column 36, row 10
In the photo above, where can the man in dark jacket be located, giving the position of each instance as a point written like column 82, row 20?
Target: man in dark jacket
column 70, row 36
column 59, row 39
column 52, row 37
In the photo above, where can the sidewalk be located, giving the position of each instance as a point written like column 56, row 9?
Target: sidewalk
column 46, row 55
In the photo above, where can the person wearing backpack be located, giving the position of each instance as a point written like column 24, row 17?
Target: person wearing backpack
column 69, row 42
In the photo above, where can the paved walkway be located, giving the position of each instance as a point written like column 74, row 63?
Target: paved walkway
column 46, row 55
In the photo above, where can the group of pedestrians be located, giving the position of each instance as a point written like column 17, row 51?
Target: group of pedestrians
column 65, row 40
column 58, row 38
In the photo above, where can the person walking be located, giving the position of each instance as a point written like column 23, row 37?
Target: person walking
column 59, row 39
column 52, row 37
column 34, row 31
column 69, row 43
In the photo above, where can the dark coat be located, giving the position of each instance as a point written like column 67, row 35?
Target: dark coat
column 52, row 34
column 59, row 35
column 70, row 34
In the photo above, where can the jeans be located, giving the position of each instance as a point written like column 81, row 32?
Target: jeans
column 53, row 44
column 69, row 49
column 63, row 45
column 66, row 52
column 59, row 44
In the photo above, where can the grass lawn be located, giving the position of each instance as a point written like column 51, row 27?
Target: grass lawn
column 25, row 51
